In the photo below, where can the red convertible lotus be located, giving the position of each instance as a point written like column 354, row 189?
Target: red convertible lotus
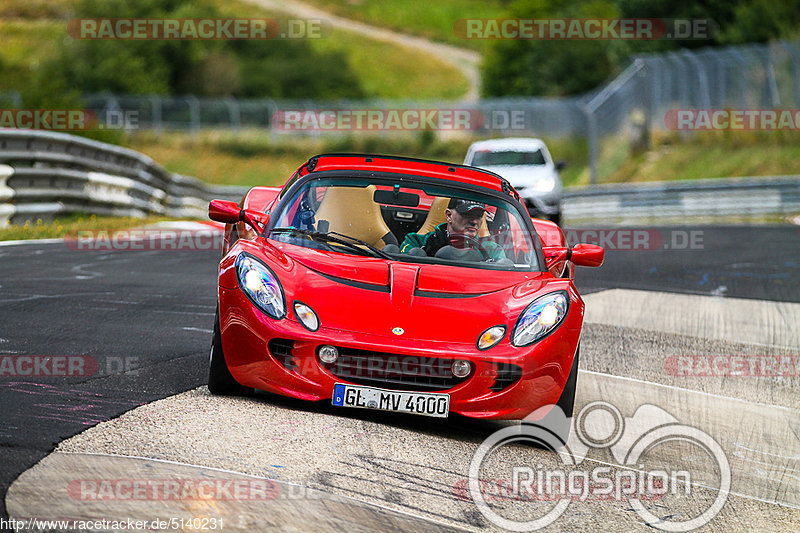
column 398, row 284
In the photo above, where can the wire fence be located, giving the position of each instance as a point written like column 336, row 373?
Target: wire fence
column 647, row 96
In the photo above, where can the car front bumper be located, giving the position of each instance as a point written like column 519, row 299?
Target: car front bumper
column 488, row 392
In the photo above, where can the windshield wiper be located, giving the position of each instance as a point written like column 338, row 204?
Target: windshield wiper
column 329, row 237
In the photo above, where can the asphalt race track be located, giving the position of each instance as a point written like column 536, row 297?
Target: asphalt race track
column 135, row 326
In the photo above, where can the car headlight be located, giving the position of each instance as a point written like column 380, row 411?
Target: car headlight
column 540, row 318
column 491, row 337
column 260, row 285
column 545, row 184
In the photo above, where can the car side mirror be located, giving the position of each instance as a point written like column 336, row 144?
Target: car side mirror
column 224, row 211
column 587, row 255
column 561, row 165
column 230, row 213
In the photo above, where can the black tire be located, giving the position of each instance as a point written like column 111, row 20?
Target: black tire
column 554, row 422
column 556, row 218
column 220, row 380
column 567, row 400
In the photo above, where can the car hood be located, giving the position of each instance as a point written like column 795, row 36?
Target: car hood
column 412, row 301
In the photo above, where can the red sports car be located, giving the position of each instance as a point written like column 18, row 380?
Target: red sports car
column 397, row 284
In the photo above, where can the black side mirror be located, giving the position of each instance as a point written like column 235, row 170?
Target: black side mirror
column 561, row 165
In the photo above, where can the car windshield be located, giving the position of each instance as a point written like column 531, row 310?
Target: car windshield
column 379, row 217
column 485, row 158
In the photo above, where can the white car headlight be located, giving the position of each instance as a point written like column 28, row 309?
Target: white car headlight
column 546, row 184
column 260, row 285
column 540, row 318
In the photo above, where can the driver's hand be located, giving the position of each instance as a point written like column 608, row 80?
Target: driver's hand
column 439, row 239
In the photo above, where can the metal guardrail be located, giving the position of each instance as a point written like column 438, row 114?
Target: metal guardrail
column 660, row 202
column 45, row 174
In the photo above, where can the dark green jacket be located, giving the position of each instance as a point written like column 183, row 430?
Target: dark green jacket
column 418, row 240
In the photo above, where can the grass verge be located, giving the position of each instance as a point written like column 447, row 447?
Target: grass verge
column 385, row 70
column 71, row 225
column 434, row 20
column 712, row 155
column 258, row 158
column 30, row 34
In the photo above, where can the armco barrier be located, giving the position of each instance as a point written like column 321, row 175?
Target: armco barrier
column 660, row 202
column 46, row 174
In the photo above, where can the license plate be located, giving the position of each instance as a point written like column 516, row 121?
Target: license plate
column 418, row 403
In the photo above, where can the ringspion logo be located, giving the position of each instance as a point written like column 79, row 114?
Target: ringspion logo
column 599, row 425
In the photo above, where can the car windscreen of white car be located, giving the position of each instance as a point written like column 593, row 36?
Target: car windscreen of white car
column 507, row 157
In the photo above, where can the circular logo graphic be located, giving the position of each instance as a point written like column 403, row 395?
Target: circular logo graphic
column 601, row 425
column 398, row 331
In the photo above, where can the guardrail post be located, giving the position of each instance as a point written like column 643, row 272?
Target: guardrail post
column 194, row 113
column 769, row 69
column 156, row 105
column 6, row 193
column 702, row 78
column 235, row 113
column 591, row 136
column 795, row 71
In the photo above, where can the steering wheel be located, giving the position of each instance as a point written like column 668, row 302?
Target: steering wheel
column 472, row 243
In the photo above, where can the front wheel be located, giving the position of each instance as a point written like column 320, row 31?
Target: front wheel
column 220, row 380
column 554, row 423
column 567, row 399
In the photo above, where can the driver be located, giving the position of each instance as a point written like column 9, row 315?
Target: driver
column 463, row 218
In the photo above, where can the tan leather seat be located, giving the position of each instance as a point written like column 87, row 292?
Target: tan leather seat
column 437, row 216
column 352, row 211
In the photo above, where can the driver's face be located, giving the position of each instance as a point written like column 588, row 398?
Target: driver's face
column 466, row 224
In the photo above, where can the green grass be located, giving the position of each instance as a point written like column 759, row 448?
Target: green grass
column 35, row 9
column 26, row 44
column 712, row 155
column 30, row 33
column 258, row 158
column 432, row 19
column 70, row 226
column 385, row 70
column 393, row 72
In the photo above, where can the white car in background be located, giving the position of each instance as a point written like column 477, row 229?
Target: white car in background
column 527, row 165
